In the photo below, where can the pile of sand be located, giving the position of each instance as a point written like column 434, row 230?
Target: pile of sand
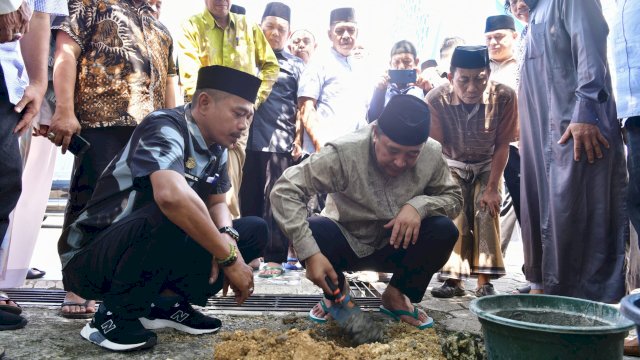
column 402, row 342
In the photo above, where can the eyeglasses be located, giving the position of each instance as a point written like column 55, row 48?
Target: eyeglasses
column 340, row 30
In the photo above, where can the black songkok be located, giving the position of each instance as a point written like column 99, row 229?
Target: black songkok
column 342, row 15
column 277, row 9
column 237, row 9
column 470, row 57
column 229, row 80
column 499, row 22
column 406, row 120
column 402, row 47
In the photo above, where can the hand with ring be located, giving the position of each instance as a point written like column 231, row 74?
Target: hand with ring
column 15, row 24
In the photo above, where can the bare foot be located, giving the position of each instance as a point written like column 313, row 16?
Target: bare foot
column 75, row 309
column 393, row 299
column 255, row 264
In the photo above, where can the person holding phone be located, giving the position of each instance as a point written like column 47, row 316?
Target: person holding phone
column 401, row 78
column 474, row 119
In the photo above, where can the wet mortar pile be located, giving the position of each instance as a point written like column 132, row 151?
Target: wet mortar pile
column 306, row 340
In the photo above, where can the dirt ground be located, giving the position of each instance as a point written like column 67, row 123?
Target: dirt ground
column 327, row 341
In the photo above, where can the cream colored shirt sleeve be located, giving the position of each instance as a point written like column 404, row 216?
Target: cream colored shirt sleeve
column 447, row 198
column 322, row 173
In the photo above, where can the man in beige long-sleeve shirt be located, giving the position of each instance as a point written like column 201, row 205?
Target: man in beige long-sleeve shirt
column 389, row 204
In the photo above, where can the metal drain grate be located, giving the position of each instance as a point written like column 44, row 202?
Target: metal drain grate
column 258, row 303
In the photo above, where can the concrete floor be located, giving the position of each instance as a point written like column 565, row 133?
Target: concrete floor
column 49, row 336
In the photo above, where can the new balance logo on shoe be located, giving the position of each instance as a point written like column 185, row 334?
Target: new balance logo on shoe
column 179, row 316
column 108, row 326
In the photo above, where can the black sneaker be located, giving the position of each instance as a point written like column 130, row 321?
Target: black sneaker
column 448, row 290
column 183, row 317
column 114, row 333
column 11, row 321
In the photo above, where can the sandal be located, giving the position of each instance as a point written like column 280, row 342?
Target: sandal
column 318, row 319
column 76, row 315
column 395, row 314
column 268, row 272
column 35, row 273
column 13, row 309
column 522, row 290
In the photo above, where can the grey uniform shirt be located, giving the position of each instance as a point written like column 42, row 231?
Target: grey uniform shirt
column 361, row 198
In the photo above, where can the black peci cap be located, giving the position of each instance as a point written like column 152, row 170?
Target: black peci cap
column 470, row 57
column 406, row 120
column 342, row 15
column 499, row 22
column 237, row 9
column 229, row 80
column 277, row 9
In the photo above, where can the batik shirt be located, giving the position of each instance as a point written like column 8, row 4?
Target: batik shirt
column 125, row 59
column 165, row 140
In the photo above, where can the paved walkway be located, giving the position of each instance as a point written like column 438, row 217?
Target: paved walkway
column 49, row 336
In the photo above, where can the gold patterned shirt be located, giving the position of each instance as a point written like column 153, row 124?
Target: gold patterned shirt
column 125, row 59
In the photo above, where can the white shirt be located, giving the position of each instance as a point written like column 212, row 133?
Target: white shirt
column 334, row 82
column 15, row 73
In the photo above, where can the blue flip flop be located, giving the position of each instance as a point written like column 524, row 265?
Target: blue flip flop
column 317, row 319
column 395, row 314
column 288, row 266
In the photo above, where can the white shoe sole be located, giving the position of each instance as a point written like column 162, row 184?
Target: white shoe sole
column 163, row 323
column 93, row 335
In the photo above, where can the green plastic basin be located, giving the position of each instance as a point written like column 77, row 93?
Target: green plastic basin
column 550, row 327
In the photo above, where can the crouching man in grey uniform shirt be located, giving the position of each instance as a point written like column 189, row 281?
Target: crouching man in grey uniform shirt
column 390, row 202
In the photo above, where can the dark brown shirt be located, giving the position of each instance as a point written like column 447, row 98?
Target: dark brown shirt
column 470, row 135
column 125, row 59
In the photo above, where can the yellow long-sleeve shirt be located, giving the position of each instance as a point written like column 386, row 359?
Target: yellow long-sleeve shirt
column 240, row 46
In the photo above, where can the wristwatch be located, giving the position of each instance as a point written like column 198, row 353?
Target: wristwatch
column 231, row 231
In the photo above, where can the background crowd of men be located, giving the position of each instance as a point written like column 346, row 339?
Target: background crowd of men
column 234, row 141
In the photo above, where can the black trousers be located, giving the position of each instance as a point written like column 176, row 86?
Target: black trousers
column 10, row 160
column 412, row 268
column 261, row 171
column 512, row 178
column 128, row 264
column 105, row 144
column 632, row 129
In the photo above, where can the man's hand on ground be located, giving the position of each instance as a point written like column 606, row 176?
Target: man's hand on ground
column 406, row 227
column 240, row 278
column 319, row 267
column 64, row 124
column 491, row 200
column 587, row 137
